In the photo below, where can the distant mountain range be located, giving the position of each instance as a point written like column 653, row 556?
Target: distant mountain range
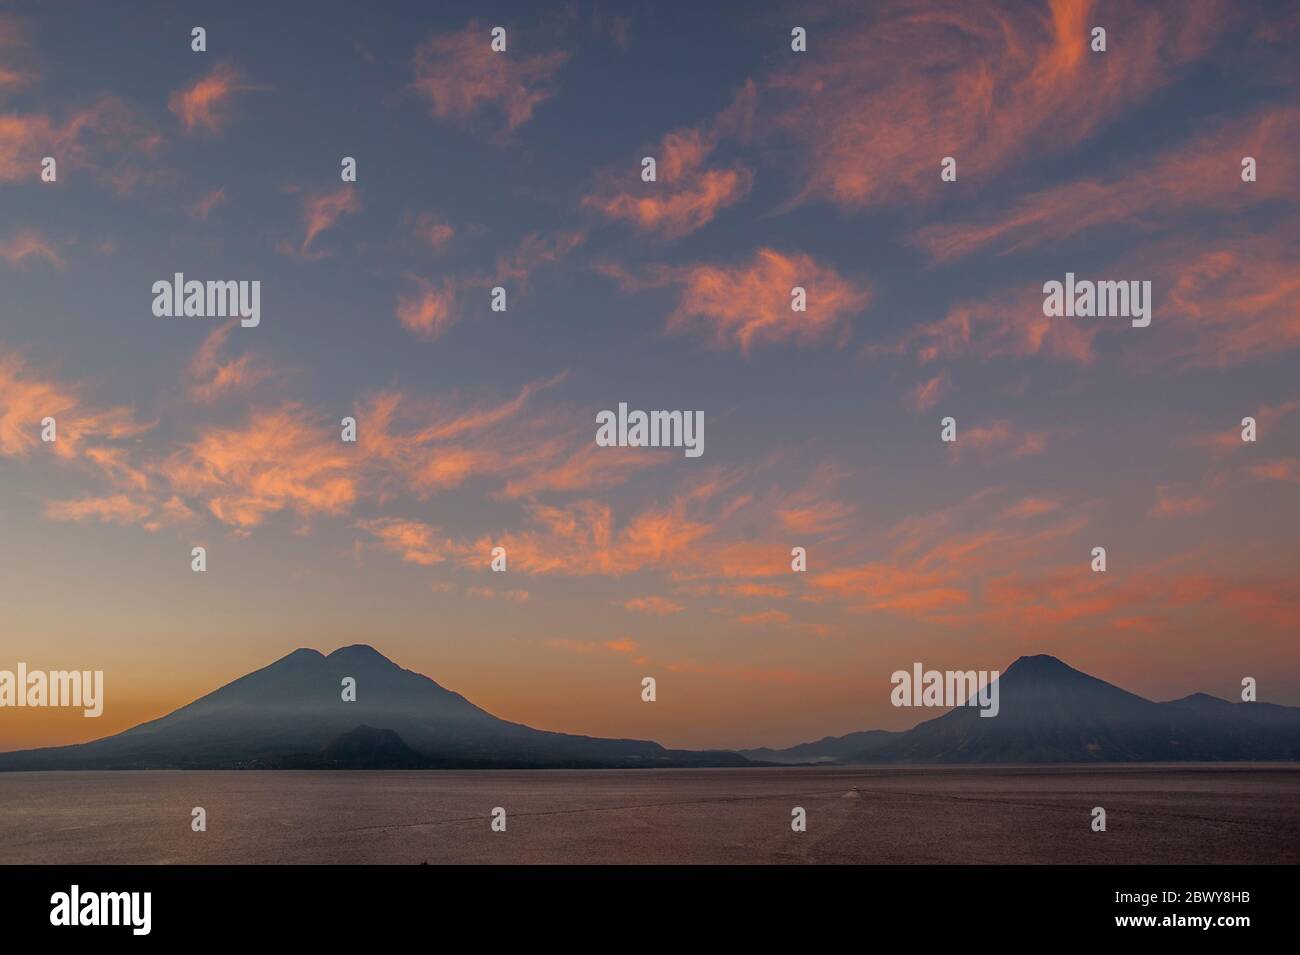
column 1052, row 713
column 290, row 715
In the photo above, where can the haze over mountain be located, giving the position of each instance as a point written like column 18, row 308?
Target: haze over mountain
column 1053, row 713
column 291, row 715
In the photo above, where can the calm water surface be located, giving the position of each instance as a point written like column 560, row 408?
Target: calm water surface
column 1242, row 813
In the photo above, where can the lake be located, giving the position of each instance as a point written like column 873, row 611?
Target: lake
column 1170, row 813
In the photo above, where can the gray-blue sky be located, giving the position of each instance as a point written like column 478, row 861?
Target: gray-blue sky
column 814, row 438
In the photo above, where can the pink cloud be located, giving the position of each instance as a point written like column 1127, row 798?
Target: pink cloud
column 206, row 103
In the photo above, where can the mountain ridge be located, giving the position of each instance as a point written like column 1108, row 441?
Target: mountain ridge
column 290, row 713
column 1051, row 712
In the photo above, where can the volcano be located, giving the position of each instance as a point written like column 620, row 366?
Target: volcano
column 291, row 714
column 1053, row 713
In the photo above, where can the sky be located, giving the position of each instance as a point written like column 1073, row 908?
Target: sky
column 476, row 429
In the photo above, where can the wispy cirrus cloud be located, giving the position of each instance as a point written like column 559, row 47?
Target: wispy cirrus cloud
column 934, row 569
column 415, row 542
column 1064, row 596
column 107, row 137
column 623, row 645
column 688, row 193
column 1000, row 434
column 750, row 304
column 1286, row 470
column 432, row 306
column 320, row 212
column 460, row 76
column 430, row 309
column 1005, row 325
column 424, row 446
column 281, row 459
column 1228, row 440
column 100, row 440
column 28, row 244
column 659, row 606
column 17, row 69
column 747, row 305
column 28, row 395
column 113, row 508
column 928, row 393
column 212, row 377
column 1228, row 301
column 203, row 207
column 431, row 230
column 1204, row 173
column 985, row 83
column 1173, row 501
column 206, row 105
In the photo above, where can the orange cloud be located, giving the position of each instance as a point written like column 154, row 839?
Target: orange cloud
column 320, row 212
column 431, row 310
column 460, row 76
column 586, row 469
column 487, row 593
column 26, row 397
column 213, row 377
column 96, row 438
column 1066, row 595
column 752, row 590
column 1030, row 507
column 935, row 568
column 997, row 434
column 115, row 508
column 820, row 517
column 622, row 646
column 1205, row 173
column 765, row 617
column 928, row 393
column 533, row 252
column 432, row 231
column 436, row 305
column 811, row 510
column 428, row 446
column 15, row 74
column 281, row 459
column 107, row 137
column 1228, row 302
column 415, row 542
column 1170, row 502
column 882, row 586
column 751, row 304
column 581, row 540
column 1228, row 440
column 879, row 104
column 1004, row 326
column 686, row 195
column 1279, row 469
column 26, row 245
column 203, row 208
column 658, row 606
column 206, row 103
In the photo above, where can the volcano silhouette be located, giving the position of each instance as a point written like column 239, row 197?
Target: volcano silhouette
column 291, row 715
column 1050, row 712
